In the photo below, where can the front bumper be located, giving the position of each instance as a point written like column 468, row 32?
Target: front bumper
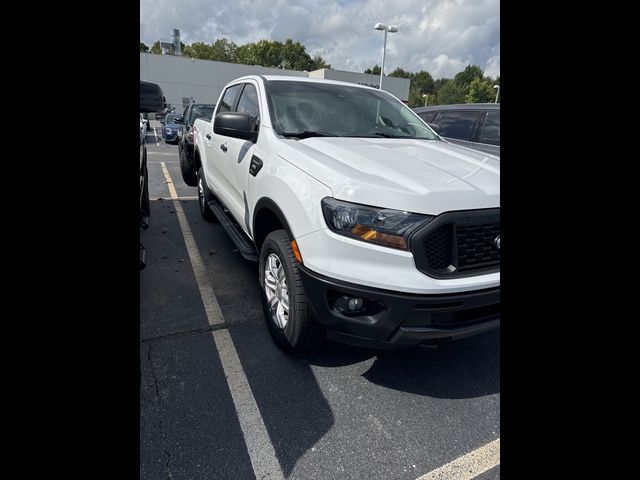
column 397, row 319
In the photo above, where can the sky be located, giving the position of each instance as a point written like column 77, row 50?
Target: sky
column 439, row 36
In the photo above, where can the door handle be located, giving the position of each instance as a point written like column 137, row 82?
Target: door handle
column 208, row 136
column 223, row 147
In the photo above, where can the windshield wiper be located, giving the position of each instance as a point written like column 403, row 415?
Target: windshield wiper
column 391, row 135
column 307, row 134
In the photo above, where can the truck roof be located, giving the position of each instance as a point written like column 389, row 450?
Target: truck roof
column 287, row 78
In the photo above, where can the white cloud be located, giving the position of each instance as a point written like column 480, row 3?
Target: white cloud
column 440, row 36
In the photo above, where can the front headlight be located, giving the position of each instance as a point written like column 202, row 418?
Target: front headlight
column 382, row 226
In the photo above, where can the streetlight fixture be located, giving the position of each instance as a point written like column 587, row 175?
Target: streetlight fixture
column 390, row 29
column 497, row 92
column 426, row 98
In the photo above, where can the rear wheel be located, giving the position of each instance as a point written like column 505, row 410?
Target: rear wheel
column 188, row 169
column 284, row 301
column 204, row 196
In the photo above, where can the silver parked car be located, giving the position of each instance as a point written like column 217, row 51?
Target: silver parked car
column 472, row 125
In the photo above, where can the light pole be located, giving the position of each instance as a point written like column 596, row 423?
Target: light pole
column 497, row 92
column 390, row 29
column 426, row 98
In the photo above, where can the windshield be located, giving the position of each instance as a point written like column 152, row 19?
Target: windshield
column 323, row 109
column 202, row 111
column 170, row 117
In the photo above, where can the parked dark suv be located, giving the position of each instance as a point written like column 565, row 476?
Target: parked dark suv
column 151, row 100
column 472, row 125
column 185, row 140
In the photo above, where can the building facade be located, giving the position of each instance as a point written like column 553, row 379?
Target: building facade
column 185, row 79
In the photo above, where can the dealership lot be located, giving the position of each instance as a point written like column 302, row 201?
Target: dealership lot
column 217, row 395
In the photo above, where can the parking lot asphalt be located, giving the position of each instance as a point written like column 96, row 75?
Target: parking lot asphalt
column 341, row 413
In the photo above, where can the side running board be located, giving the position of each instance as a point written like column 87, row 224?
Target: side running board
column 243, row 243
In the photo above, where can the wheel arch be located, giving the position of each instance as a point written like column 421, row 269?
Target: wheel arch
column 268, row 217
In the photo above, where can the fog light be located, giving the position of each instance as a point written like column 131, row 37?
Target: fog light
column 349, row 305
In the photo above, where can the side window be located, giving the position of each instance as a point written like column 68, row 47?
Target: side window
column 491, row 129
column 226, row 104
column 427, row 116
column 248, row 103
column 185, row 115
column 456, row 124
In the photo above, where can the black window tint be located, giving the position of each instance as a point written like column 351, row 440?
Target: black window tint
column 248, row 103
column 427, row 116
column 456, row 124
column 229, row 97
column 491, row 129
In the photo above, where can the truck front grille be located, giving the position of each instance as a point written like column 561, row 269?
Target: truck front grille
column 459, row 244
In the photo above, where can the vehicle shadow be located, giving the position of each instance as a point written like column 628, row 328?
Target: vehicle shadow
column 286, row 389
column 466, row 368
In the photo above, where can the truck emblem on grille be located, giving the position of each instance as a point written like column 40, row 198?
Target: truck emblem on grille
column 497, row 242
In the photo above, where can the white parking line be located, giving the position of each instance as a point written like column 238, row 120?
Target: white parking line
column 468, row 466
column 210, row 303
column 261, row 452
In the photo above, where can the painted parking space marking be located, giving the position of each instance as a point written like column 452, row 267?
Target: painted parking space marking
column 261, row 452
column 179, row 198
column 210, row 302
column 468, row 466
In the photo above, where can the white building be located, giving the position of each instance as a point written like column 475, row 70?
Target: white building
column 185, row 79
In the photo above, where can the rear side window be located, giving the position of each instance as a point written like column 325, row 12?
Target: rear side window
column 427, row 116
column 491, row 129
column 226, row 105
column 457, row 124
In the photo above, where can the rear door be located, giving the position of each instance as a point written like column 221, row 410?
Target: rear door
column 428, row 116
column 458, row 126
column 488, row 137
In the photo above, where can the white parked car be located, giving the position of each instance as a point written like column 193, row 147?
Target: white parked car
column 368, row 228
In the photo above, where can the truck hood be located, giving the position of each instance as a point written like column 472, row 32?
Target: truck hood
column 421, row 176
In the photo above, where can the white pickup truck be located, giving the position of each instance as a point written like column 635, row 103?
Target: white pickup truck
column 368, row 227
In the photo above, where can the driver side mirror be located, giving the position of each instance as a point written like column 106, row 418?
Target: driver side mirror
column 235, row 124
column 434, row 127
column 178, row 119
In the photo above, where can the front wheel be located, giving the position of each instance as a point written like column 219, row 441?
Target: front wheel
column 285, row 303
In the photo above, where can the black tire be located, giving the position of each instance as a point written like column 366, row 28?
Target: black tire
column 204, row 195
column 145, row 207
column 188, row 169
column 301, row 333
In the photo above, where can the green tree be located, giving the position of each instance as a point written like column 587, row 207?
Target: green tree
column 289, row 55
column 155, row 48
column 374, row 71
column 423, row 81
column 143, row 48
column 399, row 72
column 480, row 91
column 224, row 50
column 465, row 77
column 318, row 63
column 448, row 93
column 199, row 50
